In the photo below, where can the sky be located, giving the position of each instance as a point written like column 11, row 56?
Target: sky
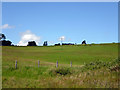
column 95, row 22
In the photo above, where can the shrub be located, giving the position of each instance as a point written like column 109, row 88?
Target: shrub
column 60, row 71
column 112, row 66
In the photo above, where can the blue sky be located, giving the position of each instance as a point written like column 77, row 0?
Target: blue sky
column 73, row 21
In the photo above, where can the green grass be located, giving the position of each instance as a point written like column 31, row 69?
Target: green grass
column 86, row 60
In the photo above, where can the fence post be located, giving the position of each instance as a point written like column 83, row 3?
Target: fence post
column 16, row 64
column 70, row 63
column 38, row 63
column 57, row 64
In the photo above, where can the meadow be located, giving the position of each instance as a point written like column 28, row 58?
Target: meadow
column 93, row 66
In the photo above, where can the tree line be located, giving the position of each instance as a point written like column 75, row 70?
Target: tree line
column 4, row 42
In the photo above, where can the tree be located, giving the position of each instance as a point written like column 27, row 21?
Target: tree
column 45, row 43
column 31, row 43
column 84, row 42
column 4, row 42
column 2, row 36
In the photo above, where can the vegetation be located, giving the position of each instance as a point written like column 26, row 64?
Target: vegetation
column 93, row 66
column 60, row 71
column 2, row 36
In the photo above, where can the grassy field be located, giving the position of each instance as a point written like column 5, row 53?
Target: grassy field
column 93, row 66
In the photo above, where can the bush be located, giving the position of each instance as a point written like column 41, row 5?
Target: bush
column 112, row 66
column 115, row 65
column 60, row 71
column 93, row 65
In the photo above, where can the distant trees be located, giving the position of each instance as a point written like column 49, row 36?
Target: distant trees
column 57, row 44
column 45, row 43
column 84, row 42
column 4, row 42
column 64, row 44
column 67, row 44
column 31, row 43
column 2, row 36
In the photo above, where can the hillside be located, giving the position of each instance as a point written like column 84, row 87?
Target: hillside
column 91, row 63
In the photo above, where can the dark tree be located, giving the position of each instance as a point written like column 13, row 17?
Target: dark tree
column 31, row 43
column 5, row 43
column 57, row 44
column 84, row 42
column 45, row 43
column 67, row 44
column 2, row 36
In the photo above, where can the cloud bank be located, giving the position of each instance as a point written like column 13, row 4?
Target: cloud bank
column 6, row 26
column 28, row 36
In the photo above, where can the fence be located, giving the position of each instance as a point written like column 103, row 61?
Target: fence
column 39, row 64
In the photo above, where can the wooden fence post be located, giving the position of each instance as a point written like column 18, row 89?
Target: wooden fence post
column 70, row 63
column 57, row 64
column 38, row 63
column 16, row 64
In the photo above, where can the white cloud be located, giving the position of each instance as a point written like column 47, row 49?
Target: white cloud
column 6, row 26
column 62, row 38
column 51, row 42
column 28, row 36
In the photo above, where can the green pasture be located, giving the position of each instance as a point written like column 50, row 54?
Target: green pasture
column 77, row 54
column 28, row 74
